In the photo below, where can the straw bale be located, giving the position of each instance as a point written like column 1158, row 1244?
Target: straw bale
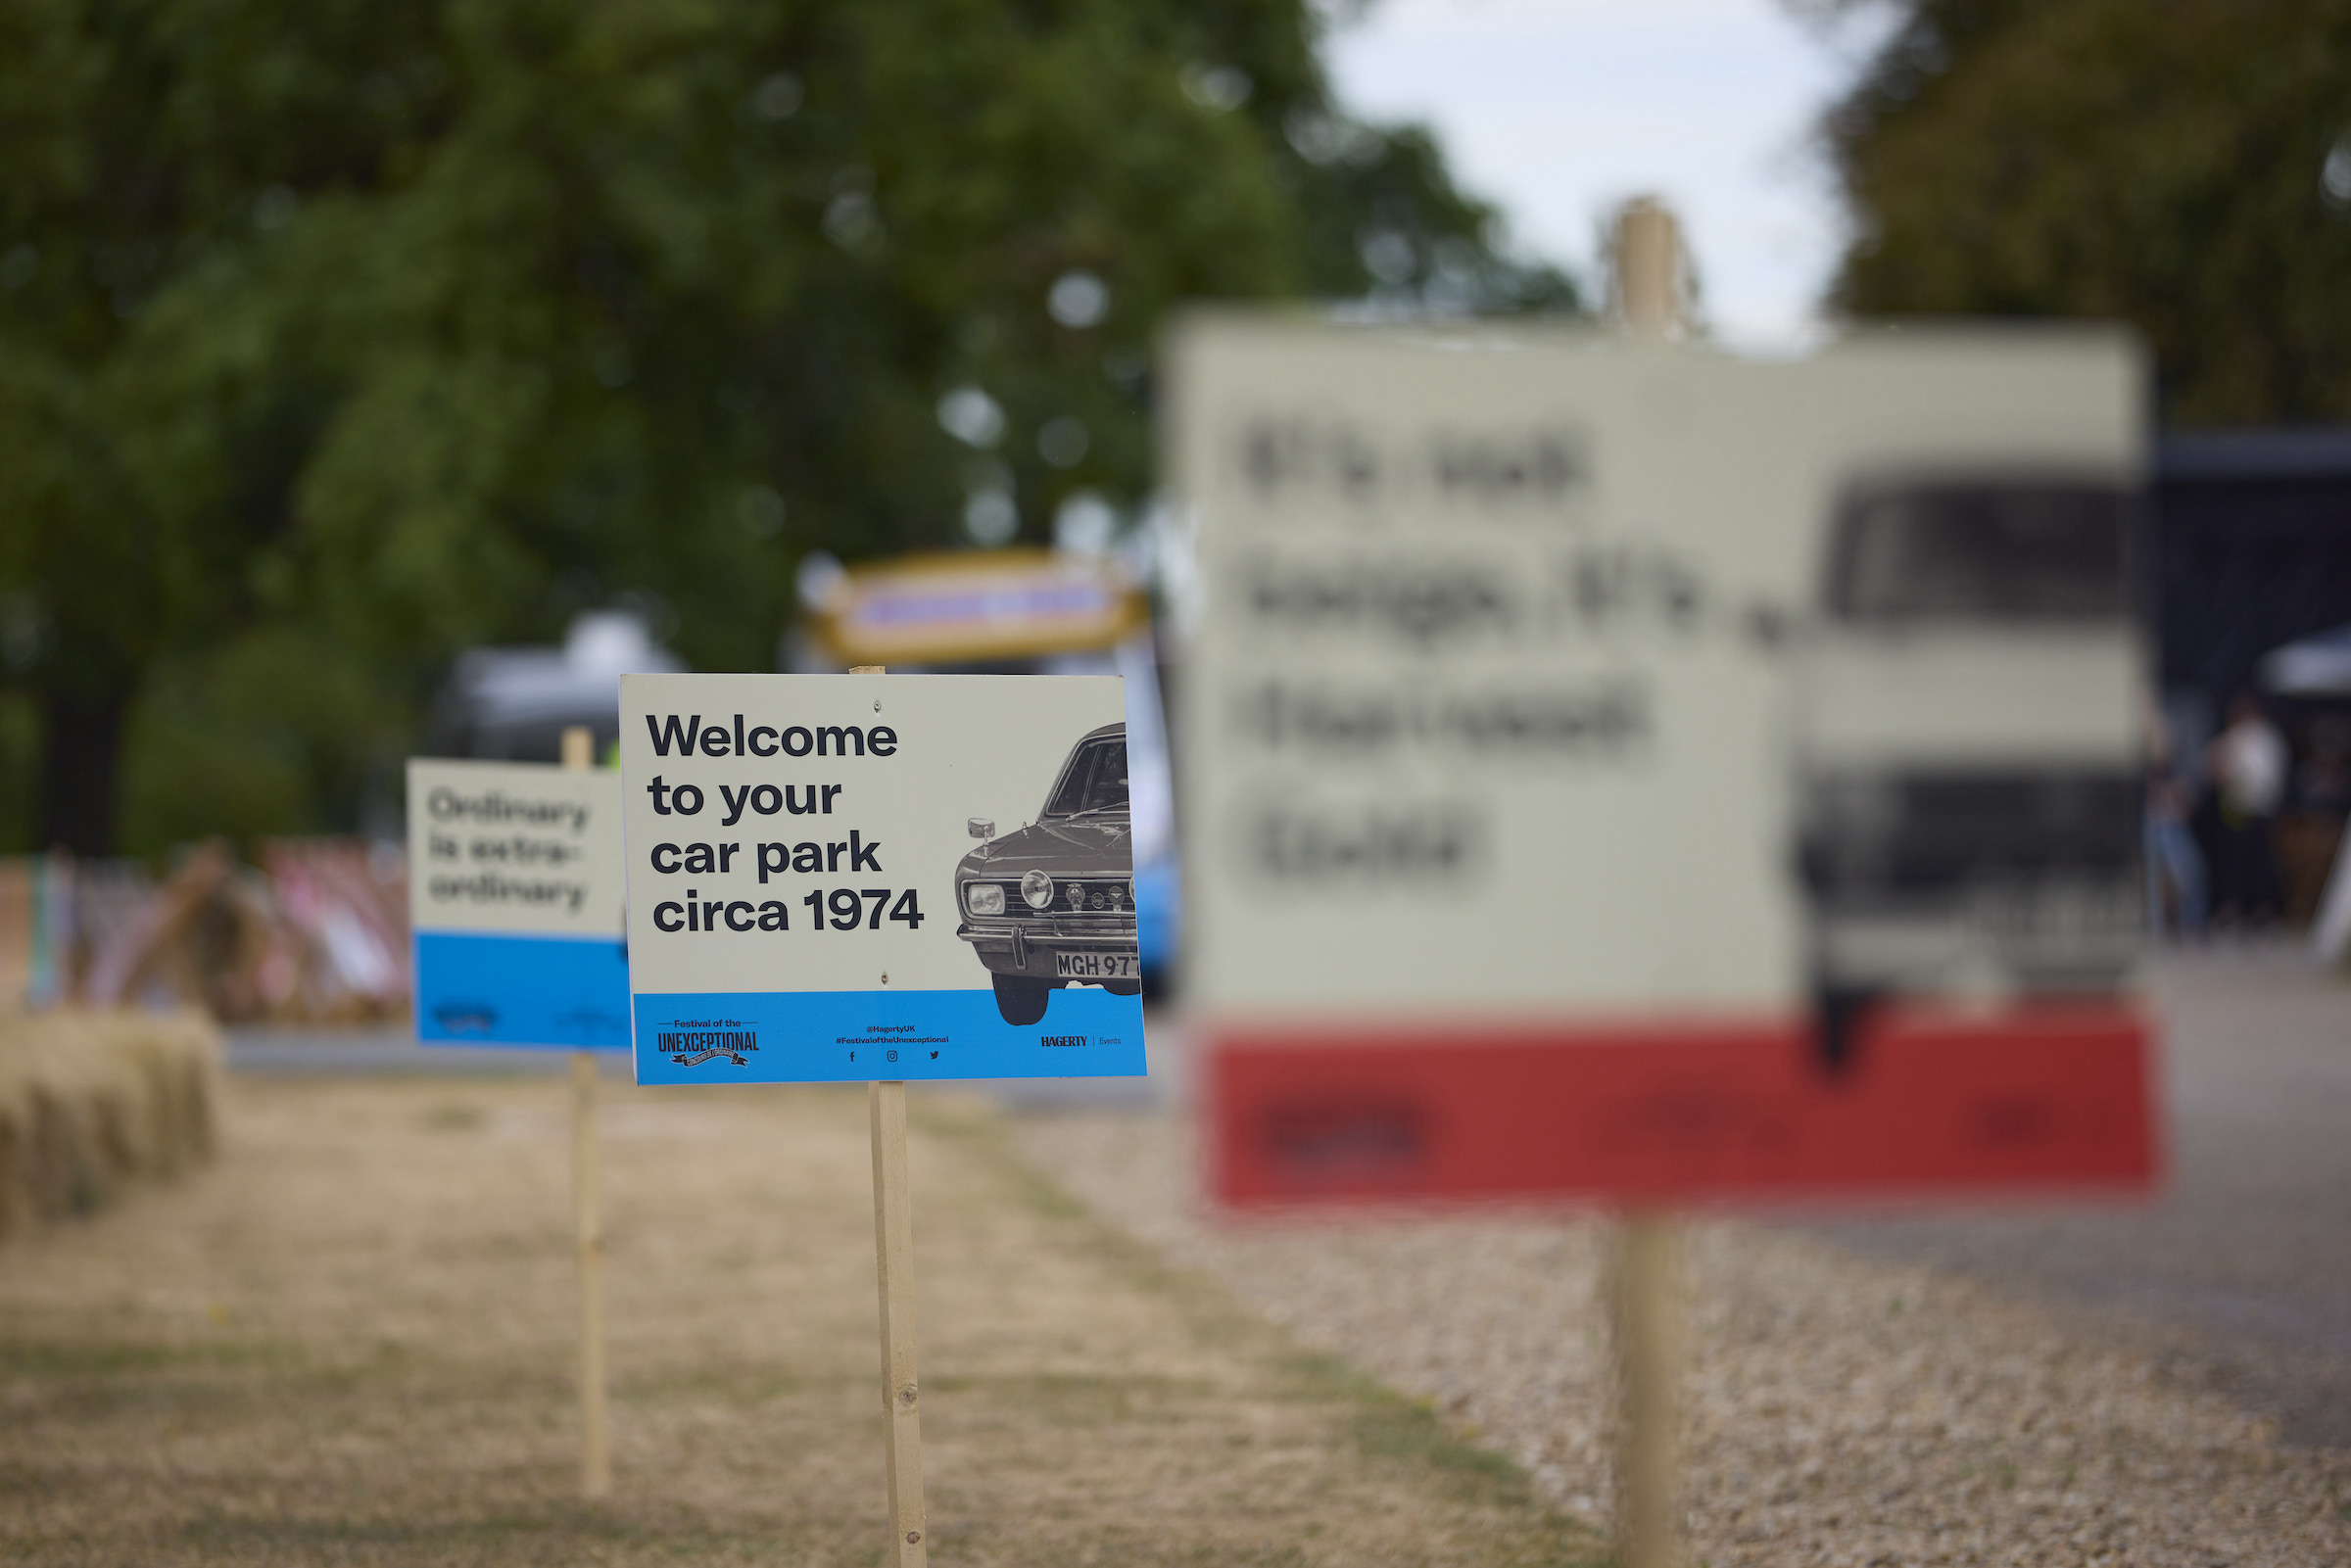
column 92, row 1101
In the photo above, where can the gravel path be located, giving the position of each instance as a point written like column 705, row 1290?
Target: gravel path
column 1839, row 1410
column 2241, row 1264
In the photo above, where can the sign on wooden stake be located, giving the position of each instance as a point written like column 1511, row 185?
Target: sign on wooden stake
column 514, row 903
column 1618, row 770
column 845, row 879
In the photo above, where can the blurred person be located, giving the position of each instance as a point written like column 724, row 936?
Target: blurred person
column 2248, row 763
column 2322, row 780
column 2310, row 821
column 2175, row 865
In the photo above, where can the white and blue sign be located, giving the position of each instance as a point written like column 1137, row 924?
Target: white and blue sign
column 514, row 899
column 844, row 877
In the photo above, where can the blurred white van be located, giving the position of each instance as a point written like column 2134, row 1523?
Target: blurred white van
column 1969, row 766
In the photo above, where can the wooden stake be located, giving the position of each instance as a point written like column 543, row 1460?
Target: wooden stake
column 1649, row 267
column 894, row 1254
column 1646, row 1296
column 893, row 1270
column 1649, row 1368
column 588, row 1228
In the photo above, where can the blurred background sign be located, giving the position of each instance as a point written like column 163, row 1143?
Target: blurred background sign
column 515, row 905
column 977, row 608
column 1619, row 768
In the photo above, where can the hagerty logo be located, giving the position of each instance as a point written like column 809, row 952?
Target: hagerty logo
column 1060, row 1039
column 690, row 1048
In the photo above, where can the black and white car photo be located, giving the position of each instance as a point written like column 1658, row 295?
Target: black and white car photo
column 1053, row 904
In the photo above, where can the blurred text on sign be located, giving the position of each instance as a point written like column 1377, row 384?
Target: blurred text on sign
column 1725, row 733
column 514, row 897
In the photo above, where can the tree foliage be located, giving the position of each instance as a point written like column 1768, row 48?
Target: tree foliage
column 337, row 336
column 2185, row 165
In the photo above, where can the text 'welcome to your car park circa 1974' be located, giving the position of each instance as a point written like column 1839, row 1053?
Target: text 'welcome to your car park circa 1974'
column 845, row 877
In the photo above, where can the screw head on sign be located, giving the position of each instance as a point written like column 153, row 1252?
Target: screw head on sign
column 913, row 1536
column 877, row 707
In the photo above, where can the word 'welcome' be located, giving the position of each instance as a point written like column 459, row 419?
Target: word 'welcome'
column 694, row 737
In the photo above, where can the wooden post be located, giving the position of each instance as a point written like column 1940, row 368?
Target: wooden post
column 1646, row 1300
column 588, row 1228
column 894, row 1254
column 1649, row 267
column 1649, row 1368
column 893, row 1269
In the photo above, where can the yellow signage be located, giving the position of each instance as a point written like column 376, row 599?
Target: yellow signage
column 979, row 605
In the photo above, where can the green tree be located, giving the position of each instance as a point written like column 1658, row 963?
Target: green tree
column 335, row 337
column 2183, row 165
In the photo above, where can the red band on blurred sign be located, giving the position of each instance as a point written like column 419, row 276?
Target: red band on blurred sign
column 2051, row 1097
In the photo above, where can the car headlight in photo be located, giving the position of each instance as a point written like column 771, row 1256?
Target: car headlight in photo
column 984, row 898
column 1037, row 889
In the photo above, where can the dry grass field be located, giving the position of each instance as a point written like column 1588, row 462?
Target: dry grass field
column 351, row 1341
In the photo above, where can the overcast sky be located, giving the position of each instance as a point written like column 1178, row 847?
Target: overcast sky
column 1558, row 110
